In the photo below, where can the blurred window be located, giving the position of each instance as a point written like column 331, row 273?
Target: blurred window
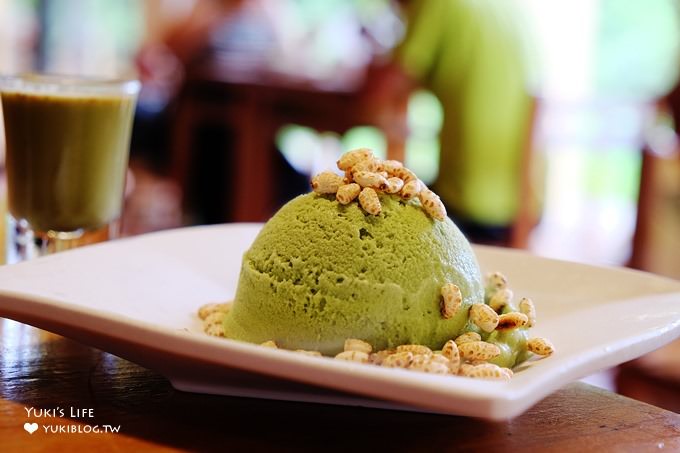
column 311, row 152
column 90, row 37
column 598, row 68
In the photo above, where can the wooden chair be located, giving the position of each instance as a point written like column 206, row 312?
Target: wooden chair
column 527, row 215
column 648, row 198
column 254, row 107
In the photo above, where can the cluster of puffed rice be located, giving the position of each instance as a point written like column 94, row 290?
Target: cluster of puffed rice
column 466, row 355
column 212, row 316
column 366, row 176
column 491, row 317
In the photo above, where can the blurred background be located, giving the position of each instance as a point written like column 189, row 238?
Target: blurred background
column 552, row 125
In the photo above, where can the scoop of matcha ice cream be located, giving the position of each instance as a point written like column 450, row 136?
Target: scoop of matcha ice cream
column 320, row 272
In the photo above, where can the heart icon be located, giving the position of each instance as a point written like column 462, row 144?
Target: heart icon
column 30, row 427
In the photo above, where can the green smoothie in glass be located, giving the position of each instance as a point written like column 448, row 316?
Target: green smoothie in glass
column 67, row 142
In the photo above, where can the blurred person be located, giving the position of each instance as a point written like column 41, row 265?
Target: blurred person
column 237, row 34
column 469, row 53
column 178, row 34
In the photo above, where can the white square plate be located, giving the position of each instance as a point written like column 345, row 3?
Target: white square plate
column 137, row 298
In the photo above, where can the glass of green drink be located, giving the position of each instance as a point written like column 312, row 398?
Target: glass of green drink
column 67, row 146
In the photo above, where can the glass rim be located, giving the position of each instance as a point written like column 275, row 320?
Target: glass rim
column 65, row 84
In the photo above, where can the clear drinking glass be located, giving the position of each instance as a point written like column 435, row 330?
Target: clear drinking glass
column 67, row 144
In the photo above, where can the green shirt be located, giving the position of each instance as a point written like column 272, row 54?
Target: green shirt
column 469, row 53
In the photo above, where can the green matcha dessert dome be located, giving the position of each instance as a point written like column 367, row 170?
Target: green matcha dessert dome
column 369, row 268
column 321, row 272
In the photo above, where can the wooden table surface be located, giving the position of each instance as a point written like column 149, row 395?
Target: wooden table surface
column 70, row 387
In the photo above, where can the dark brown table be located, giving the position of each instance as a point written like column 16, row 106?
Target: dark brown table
column 41, row 370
